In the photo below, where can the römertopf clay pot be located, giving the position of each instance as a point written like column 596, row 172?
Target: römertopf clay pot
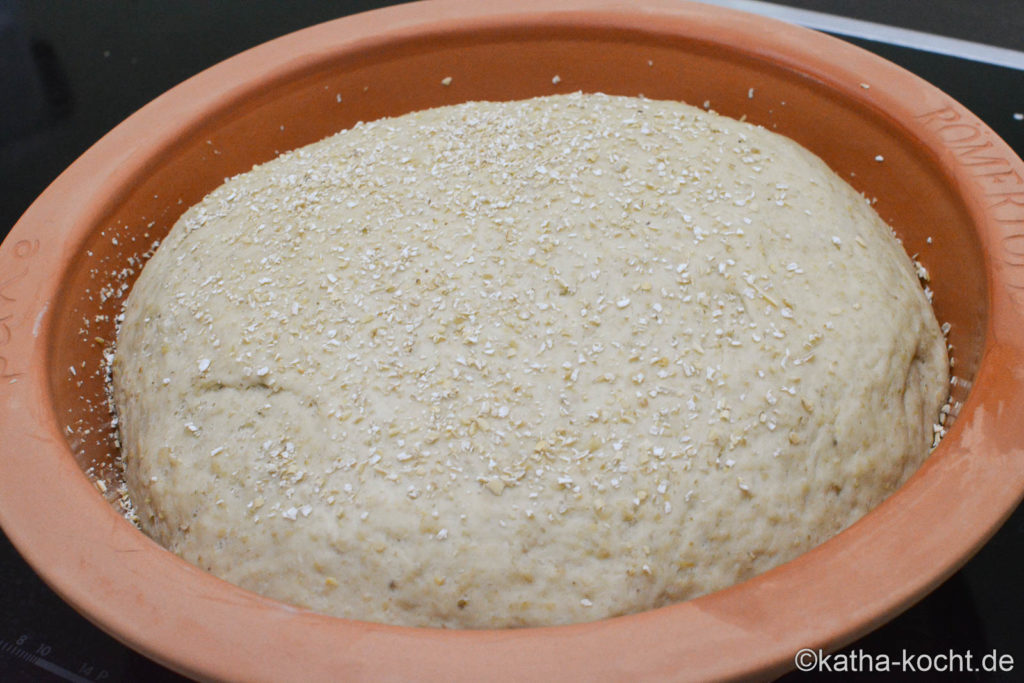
column 950, row 188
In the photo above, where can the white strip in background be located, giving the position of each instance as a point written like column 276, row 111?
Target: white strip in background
column 868, row 30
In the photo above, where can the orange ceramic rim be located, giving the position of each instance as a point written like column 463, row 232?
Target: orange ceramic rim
column 206, row 628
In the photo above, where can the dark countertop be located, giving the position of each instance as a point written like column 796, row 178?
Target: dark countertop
column 992, row 22
column 69, row 72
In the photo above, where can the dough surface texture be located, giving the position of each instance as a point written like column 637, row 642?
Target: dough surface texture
column 522, row 363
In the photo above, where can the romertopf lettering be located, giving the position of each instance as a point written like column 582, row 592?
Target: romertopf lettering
column 23, row 250
column 999, row 178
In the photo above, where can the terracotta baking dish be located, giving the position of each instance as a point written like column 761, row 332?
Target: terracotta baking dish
column 952, row 190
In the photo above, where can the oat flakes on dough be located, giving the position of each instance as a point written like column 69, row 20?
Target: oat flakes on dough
column 507, row 364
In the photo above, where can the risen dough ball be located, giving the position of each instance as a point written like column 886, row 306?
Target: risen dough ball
column 521, row 363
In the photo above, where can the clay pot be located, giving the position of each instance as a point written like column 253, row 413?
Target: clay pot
column 950, row 188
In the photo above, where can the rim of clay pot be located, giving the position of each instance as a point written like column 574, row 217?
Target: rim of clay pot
column 204, row 627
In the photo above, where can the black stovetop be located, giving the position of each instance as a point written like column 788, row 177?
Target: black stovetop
column 71, row 71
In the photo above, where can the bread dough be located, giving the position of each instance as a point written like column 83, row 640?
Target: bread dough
column 522, row 363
